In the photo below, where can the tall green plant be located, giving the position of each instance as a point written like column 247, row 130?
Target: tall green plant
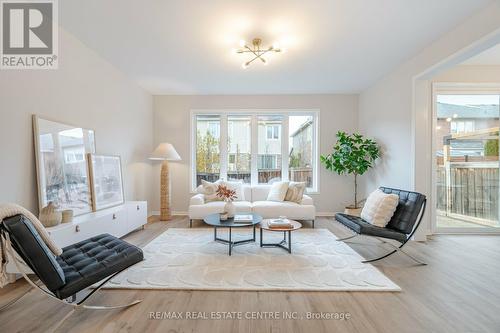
column 352, row 154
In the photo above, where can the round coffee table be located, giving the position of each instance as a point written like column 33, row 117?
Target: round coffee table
column 284, row 244
column 215, row 221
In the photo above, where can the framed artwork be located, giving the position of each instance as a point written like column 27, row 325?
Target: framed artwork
column 61, row 165
column 106, row 181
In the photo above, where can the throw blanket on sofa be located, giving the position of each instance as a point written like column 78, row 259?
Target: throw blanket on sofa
column 8, row 210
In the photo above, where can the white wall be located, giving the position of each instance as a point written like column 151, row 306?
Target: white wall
column 386, row 109
column 470, row 74
column 85, row 91
column 172, row 124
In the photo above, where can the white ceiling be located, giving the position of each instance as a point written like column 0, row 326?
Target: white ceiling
column 183, row 46
column 490, row 57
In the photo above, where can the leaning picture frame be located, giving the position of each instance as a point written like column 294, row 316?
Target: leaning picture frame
column 106, row 181
column 61, row 165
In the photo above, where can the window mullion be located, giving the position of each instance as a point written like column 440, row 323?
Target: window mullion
column 223, row 146
column 284, row 149
column 254, row 146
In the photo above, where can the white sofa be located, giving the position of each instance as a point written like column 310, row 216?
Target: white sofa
column 255, row 202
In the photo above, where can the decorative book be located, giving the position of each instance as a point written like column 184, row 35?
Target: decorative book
column 243, row 218
column 280, row 224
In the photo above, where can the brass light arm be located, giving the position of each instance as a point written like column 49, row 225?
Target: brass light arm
column 257, row 51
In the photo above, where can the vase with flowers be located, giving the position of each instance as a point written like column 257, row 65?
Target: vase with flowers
column 228, row 195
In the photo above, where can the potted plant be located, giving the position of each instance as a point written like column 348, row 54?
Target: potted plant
column 228, row 195
column 352, row 154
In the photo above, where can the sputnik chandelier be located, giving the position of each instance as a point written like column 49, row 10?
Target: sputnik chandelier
column 256, row 51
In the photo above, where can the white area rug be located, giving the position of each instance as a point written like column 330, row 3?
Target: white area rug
column 190, row 259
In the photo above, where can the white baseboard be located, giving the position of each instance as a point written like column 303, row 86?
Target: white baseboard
column 325, row 214
column 175, row 212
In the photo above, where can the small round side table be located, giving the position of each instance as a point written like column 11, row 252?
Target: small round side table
column 285, row 244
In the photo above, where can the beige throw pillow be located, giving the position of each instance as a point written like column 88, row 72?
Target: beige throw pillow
column 379, row 208
column 209, row 190
column 295, row 191
column 278, row 191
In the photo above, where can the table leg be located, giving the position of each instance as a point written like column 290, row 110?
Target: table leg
column 230, row 241
column 260, row 237
column 289, row 241
column 215, row 233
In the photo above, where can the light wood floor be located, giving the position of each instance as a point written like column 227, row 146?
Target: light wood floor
column 458, row 291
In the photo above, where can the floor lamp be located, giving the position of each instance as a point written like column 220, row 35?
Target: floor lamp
column 165, row 152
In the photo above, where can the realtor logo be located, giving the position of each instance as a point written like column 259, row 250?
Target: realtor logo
column 29, row 34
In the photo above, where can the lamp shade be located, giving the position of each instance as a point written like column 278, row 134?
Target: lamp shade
column 165, row 152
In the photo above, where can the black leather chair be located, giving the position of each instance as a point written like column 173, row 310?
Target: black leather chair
column 401, row 227
column 80, row 265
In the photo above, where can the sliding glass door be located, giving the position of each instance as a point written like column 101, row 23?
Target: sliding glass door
column 466, row 161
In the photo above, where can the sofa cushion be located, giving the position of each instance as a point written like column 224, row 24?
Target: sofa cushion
column 292, row 210
column 200, row 211
column 247, row 193
column 360, row 226
column 260, row 192
column 278, row 191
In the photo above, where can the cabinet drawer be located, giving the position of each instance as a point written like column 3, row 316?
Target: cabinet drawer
column 114, row 223
column 137, row 214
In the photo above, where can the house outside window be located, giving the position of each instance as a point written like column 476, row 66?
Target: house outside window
column 255, row 147
column 273, row 132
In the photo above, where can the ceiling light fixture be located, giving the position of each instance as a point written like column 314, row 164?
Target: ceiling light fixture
column 256, row 51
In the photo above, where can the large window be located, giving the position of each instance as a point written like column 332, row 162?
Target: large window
column 269, row 164
column 466, row 160
column 207, row 143
column 257, row 147
column 239, row 151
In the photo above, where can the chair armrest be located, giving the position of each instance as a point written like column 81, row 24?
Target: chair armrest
column 198, row 199
column 306, row 200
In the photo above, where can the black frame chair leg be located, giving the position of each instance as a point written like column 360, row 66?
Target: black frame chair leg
column 190, row 223
column 313, row 223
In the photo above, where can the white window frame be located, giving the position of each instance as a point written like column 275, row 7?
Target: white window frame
column 255, row 113
column 453, row 88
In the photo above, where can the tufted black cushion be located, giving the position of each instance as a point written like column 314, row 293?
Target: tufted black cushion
column 32, row 249
column 94, row 259
column 360, row 226
column 401, row 223
column 406, row 214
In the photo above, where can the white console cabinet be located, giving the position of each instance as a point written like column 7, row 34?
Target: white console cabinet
column 117, row 221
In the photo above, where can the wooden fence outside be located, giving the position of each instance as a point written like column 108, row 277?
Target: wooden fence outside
column 295, row 174
column 474, row 190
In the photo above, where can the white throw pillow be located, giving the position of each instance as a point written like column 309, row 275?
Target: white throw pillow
column 277, row 191
column 379, row 208
column 237, row 187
